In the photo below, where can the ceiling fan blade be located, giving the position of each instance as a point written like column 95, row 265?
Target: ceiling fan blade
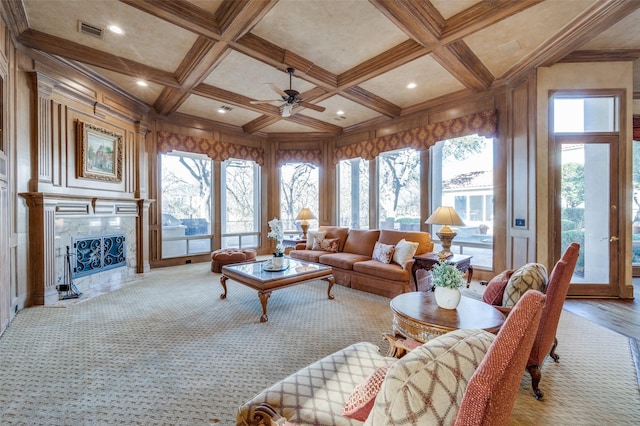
column 278, row 90
column 312, row 106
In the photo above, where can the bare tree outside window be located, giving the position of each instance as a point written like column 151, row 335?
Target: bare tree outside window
column 298, row 189
column 186, row 204
column 240, row 203
column 399, row 189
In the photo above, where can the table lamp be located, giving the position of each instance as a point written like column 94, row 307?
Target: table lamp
column 305, row 215
column 445, row 215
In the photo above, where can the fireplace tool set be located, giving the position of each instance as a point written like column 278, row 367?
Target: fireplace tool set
column 66, row 289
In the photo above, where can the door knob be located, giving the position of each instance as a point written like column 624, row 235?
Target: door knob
column 613, row 239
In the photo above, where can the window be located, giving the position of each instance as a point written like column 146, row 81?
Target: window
column 353, row 193
column 399, row 190
column 186, row 204
column 462, row 177
column 240, row 201
column 580, row 114
column 298, row 189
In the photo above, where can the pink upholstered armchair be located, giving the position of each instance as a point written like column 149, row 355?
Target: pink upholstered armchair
column 492, row 390
column 425, row 389
column 556, row 291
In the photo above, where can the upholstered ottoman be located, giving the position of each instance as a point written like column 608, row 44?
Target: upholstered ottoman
column 222, row 257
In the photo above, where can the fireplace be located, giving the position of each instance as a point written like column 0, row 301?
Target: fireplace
column 97, row 254
column 105, row 237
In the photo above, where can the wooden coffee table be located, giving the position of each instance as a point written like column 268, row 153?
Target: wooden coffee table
column 254, row 275
column 416, row 316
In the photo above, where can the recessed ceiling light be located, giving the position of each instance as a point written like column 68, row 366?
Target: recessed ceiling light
column 340, row 112
column 412, row 85
column 142, row 83
column 115, row 29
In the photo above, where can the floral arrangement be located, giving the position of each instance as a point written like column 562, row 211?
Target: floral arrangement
column 446, row 274
column 277, row 234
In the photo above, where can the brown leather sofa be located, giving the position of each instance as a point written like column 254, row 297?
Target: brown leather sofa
column 353, row 265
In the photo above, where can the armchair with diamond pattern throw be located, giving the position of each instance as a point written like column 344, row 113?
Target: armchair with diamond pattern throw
column 466, row 377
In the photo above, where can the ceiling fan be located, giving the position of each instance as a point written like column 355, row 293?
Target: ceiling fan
column 290, row 98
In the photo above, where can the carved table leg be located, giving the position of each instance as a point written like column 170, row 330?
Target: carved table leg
column 331, row 282
column 223, row 281
column 264, row 298
column 553, row 353
column 395, row 349
column 536, row 375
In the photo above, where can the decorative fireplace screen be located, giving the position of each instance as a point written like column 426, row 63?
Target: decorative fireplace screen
column 97, row 254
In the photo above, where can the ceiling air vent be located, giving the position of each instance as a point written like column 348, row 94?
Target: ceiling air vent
column 89, row 29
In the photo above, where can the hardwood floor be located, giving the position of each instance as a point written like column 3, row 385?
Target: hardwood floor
column 622, row 316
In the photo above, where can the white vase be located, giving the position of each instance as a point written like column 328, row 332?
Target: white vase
column 447, row 298
column 277, row 261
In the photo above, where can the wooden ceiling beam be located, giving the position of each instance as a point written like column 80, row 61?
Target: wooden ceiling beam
column 170, row 100
column 181, row 13
column 371, row 101
column 71, row 50
column 314, row 123
column 597, row 18
column 480, row 16
column 398, row 55
column 613, row 55
column 218, row 94
column 279, row 58
column 422, row 22
column 236, row 18
column 464, row 65
column 419, row 20
column 259, row 123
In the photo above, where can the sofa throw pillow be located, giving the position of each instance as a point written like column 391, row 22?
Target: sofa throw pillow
column 361, row 400
column 532, row 276
column 404, row 252
column 428, row 383
column 311, row 235
column 383, row 252
column 495, row 289
column 326, row 244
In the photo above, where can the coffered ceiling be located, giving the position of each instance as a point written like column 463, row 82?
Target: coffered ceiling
column 354, row 58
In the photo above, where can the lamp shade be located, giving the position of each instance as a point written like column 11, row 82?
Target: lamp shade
column 445, row 215
column 305, row 214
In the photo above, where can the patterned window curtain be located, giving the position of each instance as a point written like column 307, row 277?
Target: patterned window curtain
column 421, row 138
column 636, row 127
column 313, row 156
column 217, row 151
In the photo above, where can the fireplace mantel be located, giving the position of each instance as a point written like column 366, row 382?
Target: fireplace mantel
column 55, row 219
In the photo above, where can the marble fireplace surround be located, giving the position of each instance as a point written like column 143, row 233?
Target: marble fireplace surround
column 55, row 220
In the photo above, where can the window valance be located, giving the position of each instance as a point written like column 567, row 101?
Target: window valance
column 313, row 156
column 218, row 151
column 421, row 138
column 636, row 127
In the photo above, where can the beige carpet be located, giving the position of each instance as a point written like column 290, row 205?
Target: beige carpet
column 166, row 350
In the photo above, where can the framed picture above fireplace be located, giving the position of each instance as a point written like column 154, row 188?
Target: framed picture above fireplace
column 100, row 153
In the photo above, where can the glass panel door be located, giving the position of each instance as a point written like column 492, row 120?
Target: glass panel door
column 588, row 211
